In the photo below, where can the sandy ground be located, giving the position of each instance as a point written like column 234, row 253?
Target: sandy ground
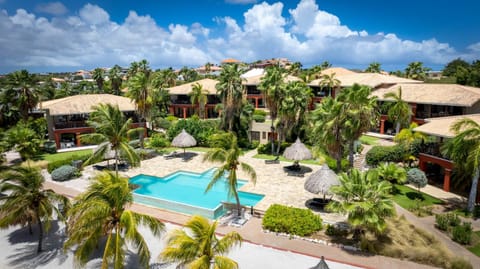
column 19, row 251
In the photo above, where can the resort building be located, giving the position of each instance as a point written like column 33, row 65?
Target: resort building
column 431, row 160
column 66, row 117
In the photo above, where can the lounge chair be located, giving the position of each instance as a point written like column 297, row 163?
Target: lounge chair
column 172, row 155
column 274, row 161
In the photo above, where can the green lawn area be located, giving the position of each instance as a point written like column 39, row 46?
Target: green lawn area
column 405, row 197
column 369, row 140
column 281, row 158
column 476, row 248
column 65, row 155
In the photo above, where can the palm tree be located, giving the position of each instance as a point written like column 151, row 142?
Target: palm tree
column 98, row 75
column 115, row 78
column 111, row 132
column 400, row 112
column 464, row 150
column 139, row 90
column 364, row 199
column 272, row 85
column 416, row 70
column 230, row 91
column 27, row 202
column 199, row 247
column 330, row 82
column 101, row 212
column 328, row 128
column 198, row 96
column 391, row 172
column 228, row 155
column 169, row 77
column 407, row 136
column 361, row 114
column 374, row 67
column 23, row 91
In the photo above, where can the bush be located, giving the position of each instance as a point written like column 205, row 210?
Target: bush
column 244, row 143
column 444, row 221
column 379, row 154
column 460, row 263
column 267, row 148
column 258, row 118
column 295, row 221
column 163, row 123
column 201, row 130
column 332, row 163
column 158, row 141
column 146, row 153
column 135, row 143
column 462, row 233
column 64, row 173
column 332, row 230
column 67, row 161
column 417, row 178
column 260, row 112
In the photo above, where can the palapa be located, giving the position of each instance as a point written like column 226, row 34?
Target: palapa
column 321, row 181
column 321, row 264
column 184, row 140
column 297, row 152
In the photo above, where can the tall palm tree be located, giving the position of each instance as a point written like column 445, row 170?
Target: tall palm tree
column 400, row 112
column 464, row 150
column 200, row 247
column 111, row 132
column 24, row 91
column 98, row 75
column 27, row 202
column 361, row 114
column 365, row 200
column 169, row 76
column 228, row 155
column 374, row 67
column 139, row 90
column 198, row 96
column 272, row 85
column 416, row 70
column 330, row 82
column 328, row 128
column 101, row 212
column 230, row 91
column 115, row 78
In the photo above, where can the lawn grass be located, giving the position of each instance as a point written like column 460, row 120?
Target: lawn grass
column 406, row 197
column 65, row 155
column 369, row 140
column 476, row 248
column 281, row 158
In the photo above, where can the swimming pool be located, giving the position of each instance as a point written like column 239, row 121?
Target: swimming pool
column 185, row 192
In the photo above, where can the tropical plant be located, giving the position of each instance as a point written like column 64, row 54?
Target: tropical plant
column 400, row 112
column 230, row 91
column 417, row 178
column 272, row 85
column 374, row 67
column 408, row 136
column 199, row 247
column 198, row 96
column 416, row 70
column 228, row 153
column 364, row 199
column 27, row 137
column 27, row 202
column 23, row 91
column 115, row 78
column 98, row 75
column 464, row 150
column 111, row 133
column 391, row 172
column 101, row 212
column 330, row 82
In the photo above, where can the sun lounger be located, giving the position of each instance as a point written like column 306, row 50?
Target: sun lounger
column 171, row 155
column 274, row 161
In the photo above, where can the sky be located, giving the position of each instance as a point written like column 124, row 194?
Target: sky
column 53, row 36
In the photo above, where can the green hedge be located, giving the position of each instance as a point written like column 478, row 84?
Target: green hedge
column 382, row 154
column 64, row 173
column 295, row 221
column 67, row 161
column 267, row 148
column 258, row 118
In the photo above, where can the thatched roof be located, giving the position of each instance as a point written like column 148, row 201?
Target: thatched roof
column 184, row 140
column 207, row 84
column 372, row 80
column 441, row 126
column 297, row 152
column 321, row 181
column 321, row 264
column 255, row 80
column 83, row 103
column 435, row 94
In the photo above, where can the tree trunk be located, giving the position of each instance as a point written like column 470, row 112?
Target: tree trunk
column 116, row 162
column 272, row 129
column 473, row 191
column 397, row 128
column 40, row 232
column 339, row 164
column 351, row 150
column 30, row 227
column 239, row 206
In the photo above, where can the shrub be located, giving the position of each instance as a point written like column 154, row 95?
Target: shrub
column 379, row 154
column 295, row 221
column 135, row 143
column 158, row 141
column 417, row 178
column 258, row 118
column 244, row 143
column 56, row 164
column 171, row 118
column 267, row 148
column 447, row 220
column 462, row 233
column 460, row 263
column 332, row 230
column 392, row 173
column 146, row 153
column 260, row 112
column 201, row 130
column 332, row 163
column 65, row 172
column 163, row 123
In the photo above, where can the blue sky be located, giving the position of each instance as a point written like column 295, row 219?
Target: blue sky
column 72, row 35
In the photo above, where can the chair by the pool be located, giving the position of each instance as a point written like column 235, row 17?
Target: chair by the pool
column 171, row 155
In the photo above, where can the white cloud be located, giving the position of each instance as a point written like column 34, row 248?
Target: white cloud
column 54, row 8
column 308, row 34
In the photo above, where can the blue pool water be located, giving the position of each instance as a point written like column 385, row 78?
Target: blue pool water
column 185, row 192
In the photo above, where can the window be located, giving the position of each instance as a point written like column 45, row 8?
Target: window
column 255, row 135
column 264, row 135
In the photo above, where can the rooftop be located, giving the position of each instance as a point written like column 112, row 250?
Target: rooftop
column 83, row 103
column 441, row 126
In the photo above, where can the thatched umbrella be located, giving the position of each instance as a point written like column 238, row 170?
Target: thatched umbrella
column 321, row 181
column 321, row 264
column 297, row 152
column 184, row 140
